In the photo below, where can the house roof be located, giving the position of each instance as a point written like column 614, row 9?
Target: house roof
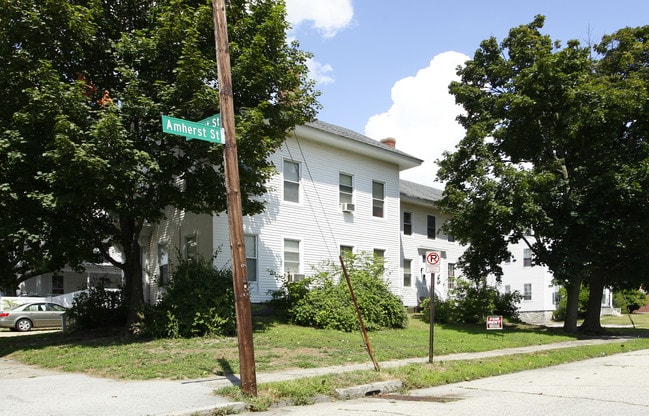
column 351, row 141
column 418, row 193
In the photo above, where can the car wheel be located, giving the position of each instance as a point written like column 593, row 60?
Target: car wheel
column 23, row 325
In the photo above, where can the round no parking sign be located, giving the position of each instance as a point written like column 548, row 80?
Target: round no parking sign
column 432, row 262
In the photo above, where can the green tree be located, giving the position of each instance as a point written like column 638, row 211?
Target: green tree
column 543, row 160
column 105, row 164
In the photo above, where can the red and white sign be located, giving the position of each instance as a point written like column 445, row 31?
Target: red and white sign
column 494, row 322
column 433, row 260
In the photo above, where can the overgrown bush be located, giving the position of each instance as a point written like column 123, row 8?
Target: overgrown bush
column 629, row 300
column 98, row 307
column 198, row 301
column 471, row 303
column 324, row 301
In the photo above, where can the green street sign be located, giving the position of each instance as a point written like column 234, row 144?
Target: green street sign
column 208, row 129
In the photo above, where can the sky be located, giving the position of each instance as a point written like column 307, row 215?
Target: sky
column 383, row 67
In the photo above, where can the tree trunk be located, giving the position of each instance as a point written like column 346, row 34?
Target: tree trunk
column 133, row 290
column 592, row 322
column 572, row 306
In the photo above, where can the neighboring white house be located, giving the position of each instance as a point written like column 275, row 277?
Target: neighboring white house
column 69, row 280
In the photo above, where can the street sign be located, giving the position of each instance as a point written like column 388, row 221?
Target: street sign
column 432, row 262
column 208, row 129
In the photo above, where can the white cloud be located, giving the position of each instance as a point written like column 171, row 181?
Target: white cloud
column 422, row 116
column 320, row 73
column 327, row 16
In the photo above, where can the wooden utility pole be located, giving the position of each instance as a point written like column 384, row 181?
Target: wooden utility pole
column 235, row 217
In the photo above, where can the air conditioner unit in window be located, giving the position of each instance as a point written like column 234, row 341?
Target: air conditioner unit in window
column 347, row 207
column 296, row 277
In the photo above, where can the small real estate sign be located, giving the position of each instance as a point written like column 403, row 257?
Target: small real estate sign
column 494, row 322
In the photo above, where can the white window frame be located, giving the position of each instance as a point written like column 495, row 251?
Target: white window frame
column 407, row 272
column 345, row 190
column 527, row 291
column 292, row 251
column 378, row 201
column 408, row 223
column 292, row 182
column 252, row 256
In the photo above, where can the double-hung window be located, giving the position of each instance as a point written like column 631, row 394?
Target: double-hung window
column 291, row 257
column 431, row 226
column 163, row 264
column 527, row 291
column 407, row 273
column 251, row 257
column 527, row 257
column 407, row 223
column 378, row 199
column 291, row 181
column 345, row 189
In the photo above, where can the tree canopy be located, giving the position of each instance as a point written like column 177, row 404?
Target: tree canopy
column 83, row 86
column 553, row 156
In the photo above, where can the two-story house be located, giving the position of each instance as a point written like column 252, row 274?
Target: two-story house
column 335, row 190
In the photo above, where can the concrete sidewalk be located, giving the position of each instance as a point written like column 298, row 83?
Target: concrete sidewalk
column 34, row 391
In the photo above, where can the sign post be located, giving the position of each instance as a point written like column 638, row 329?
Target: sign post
column 432, row 266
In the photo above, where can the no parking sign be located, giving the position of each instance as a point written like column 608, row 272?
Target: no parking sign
column 433, row 259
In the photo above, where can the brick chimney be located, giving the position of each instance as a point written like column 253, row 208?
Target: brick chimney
column 389, row 141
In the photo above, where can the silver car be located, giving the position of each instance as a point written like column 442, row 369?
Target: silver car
column 32, row 315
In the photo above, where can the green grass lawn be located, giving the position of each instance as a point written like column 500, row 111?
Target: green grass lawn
column 278, row 346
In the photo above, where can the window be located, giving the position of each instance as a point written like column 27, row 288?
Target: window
column 378, row 253
column 527, row 291
column 163, row 264
column 57, row 284
column 378, row 199
column 451, row 238
column 345, row 188
column 251, row 257
column 508, row 289
column 527, row 257
column 556, row 298
column 407, row 273
column 407, row 223
column 190, row 249
column 451, row 276
column 346, row 250
column 291, row 181
column 291, row 257
column 430, row 226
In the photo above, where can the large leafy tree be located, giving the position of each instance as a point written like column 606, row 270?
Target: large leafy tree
column 108, row 168
column 544, row 160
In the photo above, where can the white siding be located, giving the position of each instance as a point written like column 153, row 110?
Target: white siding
column 415, row 246
column 317, row 221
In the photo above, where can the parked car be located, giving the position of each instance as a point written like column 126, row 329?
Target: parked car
column 32, row 315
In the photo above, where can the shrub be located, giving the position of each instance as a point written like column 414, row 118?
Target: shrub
column 198, row 301
column 98, row 307
column 471, row 303
column 629, row 300
column 324, row 301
